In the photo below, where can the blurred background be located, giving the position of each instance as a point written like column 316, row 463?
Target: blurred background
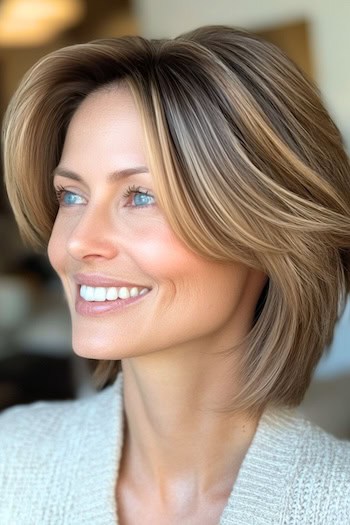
column 36, row 359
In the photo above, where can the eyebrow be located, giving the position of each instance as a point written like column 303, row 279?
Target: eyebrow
column 111, row 177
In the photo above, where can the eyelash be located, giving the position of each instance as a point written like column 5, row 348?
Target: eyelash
column 60, row 190
column 131, row 190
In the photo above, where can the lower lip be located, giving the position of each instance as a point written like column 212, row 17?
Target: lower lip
column 94, row 309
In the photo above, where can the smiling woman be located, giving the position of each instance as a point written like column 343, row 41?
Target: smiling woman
column 198, row 216
column 137, row 250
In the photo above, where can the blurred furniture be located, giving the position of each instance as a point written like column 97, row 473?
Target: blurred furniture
column 36, row 359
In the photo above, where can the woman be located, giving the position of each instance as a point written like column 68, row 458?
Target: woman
column 195, row 198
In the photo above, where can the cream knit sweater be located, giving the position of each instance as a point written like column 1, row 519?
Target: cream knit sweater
column 59, row 464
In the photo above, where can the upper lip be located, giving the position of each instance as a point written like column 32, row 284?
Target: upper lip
column 94, row 279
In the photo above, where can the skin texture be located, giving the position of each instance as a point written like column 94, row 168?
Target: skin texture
column 170, row 340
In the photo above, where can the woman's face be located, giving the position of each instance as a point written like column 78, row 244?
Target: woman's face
column 132, row 286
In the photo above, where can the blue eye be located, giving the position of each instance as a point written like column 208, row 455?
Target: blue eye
column 68, row 198
column 138, row 197
column 143, row 199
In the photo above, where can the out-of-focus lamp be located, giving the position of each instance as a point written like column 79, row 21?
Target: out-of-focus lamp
column 36, row 22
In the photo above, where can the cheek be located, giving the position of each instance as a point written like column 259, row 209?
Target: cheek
column 185, row 277
column 163, row 256
column 191, row 280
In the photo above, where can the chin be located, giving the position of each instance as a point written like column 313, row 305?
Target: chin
column 102, row 348
column 91, row 348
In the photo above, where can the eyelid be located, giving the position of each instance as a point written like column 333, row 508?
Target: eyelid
column 134, row 191
column 62, row 191
column 137, row 189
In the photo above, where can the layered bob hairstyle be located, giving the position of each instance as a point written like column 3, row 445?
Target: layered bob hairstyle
column 248, row 167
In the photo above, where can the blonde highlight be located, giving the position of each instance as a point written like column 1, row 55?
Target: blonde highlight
column 248, row 168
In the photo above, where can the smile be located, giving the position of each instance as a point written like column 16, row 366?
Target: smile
column 102, row 294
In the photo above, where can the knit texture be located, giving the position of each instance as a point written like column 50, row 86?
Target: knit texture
column 59, row 464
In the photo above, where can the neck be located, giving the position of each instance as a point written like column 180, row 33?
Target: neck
column 175, row 434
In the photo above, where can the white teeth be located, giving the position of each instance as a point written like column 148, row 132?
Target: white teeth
column 102, row 294
column 112, row 294
column 123, row 293
column 89, row 294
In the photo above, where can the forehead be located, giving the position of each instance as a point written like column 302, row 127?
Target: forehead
column 107, row 125
column 106, row 106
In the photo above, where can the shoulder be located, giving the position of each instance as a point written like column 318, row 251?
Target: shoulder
column 37, row 420
column 320, row 479
column 48, row 451
column 31, row 434
column 35, row 446
column 294, row 472
column 48, row 430
column 322, row 451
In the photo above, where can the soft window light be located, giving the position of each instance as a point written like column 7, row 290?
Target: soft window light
column 36, row 22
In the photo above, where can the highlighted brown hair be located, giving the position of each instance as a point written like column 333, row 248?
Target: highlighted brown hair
column 248, row 167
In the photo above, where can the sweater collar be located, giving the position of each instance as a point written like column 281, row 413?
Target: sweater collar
column 257, row 494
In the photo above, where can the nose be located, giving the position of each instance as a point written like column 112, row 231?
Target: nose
column 94, row 236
